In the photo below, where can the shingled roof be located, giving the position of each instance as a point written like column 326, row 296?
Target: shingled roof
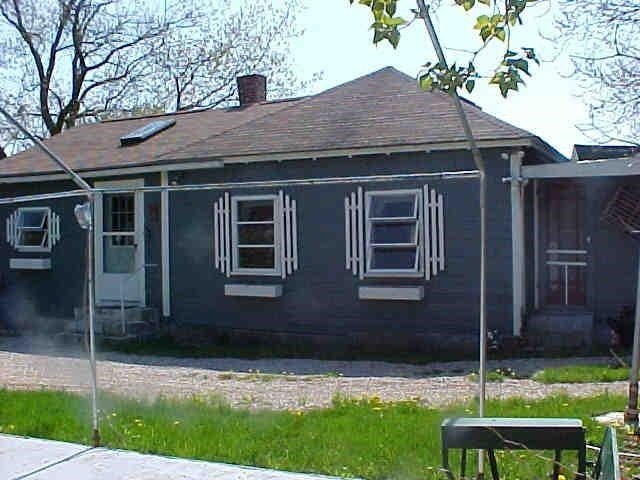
column 381, row 110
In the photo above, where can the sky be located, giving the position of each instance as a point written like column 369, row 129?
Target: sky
column 337, row 43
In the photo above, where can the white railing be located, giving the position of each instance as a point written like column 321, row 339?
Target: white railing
column 567, row 264
column 123, row 284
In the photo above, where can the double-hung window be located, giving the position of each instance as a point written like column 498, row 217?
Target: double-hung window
column 32, row 229
column 256, row 235
column 393, row 232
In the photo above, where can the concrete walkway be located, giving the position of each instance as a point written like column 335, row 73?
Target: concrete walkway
column 35, row 459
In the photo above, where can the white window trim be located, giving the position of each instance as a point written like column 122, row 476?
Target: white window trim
column 27, row 248
column 277, row 240
column 417, row 271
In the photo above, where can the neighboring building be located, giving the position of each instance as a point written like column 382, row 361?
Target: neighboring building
column 340, row 219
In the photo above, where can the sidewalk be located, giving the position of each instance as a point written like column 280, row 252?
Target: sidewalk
column 35, row 459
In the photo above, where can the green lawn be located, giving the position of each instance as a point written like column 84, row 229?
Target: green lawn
column 367, row 438
column 581, row 374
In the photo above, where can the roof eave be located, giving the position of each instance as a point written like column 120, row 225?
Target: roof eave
column 211, row 161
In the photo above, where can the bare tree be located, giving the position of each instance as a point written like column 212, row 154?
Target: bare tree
column 65, row 62
column 603, row 40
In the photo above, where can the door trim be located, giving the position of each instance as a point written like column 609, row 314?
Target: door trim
column 139, row 238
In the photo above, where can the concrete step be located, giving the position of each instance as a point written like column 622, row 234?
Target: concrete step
column 560, row 330
column 109, row 321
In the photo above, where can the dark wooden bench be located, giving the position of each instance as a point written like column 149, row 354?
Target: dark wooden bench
column 492, row 434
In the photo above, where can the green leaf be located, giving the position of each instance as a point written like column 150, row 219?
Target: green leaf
column 501, row 34
column 470, row 85
column 426, row 82
column 468, row 4
column 481, row 21
column 394, row 38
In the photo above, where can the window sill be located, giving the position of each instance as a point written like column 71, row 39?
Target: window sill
column 414, row 294
column 30, row 264
column 256, row 273
column 394, row 274
column 255, row 291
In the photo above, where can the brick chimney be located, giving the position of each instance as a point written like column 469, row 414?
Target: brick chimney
column 252, row 89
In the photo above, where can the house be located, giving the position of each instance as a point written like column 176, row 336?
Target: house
column 347, row 219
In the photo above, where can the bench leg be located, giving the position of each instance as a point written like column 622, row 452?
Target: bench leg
column 556, row 464
column 493, row 464
column 582, row 463
column 445, row 463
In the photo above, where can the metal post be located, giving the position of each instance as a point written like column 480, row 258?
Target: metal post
column 631, row 413
column 92, row 343
column 477, row 158
column 90, row 197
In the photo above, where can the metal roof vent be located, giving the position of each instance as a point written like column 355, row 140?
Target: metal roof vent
column 146, row 132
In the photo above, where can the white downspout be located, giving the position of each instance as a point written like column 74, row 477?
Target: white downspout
column 517, row 239
column 164, row 241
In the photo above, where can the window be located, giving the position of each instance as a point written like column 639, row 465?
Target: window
column 255, row 234
column 392, row 234
column 34, row 229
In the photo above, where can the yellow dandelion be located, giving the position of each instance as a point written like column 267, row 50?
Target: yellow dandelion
column 562, row 477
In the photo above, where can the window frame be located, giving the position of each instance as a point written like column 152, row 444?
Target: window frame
column 418, row 270
column 18, row 229
column 277, row 240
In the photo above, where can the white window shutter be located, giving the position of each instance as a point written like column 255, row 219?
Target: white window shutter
column 433, row 221
column 221, row 230
column 289, row 244
column 54, row 228
column 354, row 232
column 12, row 234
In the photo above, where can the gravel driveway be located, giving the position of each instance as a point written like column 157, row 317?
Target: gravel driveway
column 273, row 383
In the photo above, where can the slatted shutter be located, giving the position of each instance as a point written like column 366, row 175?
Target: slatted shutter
column 222, row 234
column 289, row 244
column 433, row 222
column 354, row 232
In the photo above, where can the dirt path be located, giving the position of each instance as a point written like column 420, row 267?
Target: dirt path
column 278, row 383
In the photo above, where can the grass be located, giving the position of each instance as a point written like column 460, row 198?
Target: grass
column 581, row 374
column 366, row 438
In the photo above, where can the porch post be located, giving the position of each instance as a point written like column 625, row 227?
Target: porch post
column 164, row 241
column 517, row 239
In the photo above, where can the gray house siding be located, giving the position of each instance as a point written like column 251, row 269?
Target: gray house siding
column 37, row 299
column 41, row 299
column 321, row 298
